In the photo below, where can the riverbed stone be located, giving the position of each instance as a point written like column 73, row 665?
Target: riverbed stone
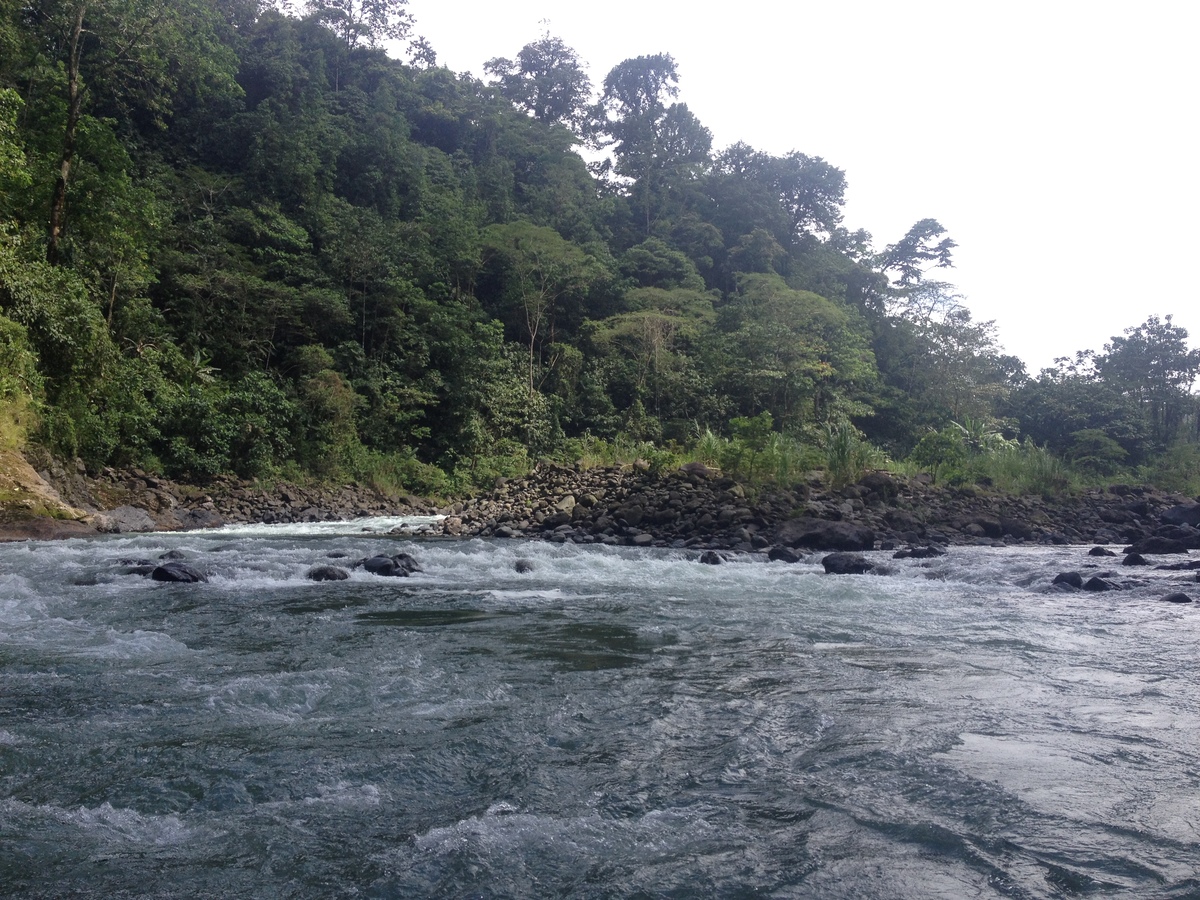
column 846, row 564
column 1070, row 579
column 326, row 573
column 178, row 572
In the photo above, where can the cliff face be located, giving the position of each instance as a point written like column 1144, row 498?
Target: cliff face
column 31, row 508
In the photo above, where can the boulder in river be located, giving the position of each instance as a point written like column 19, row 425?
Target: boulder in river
column 401, row 565
column 1101, row 551
column 1070, row 579
column 326, row 573
column 785, row 554
column 1177, row 597
column 178, row 572
column 846, row 564
column 523, row 566
column 919, row 553
column 1096, row 583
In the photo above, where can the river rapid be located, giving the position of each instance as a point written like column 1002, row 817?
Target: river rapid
column 618, row 722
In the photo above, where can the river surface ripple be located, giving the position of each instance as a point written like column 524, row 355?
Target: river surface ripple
column 616, row 723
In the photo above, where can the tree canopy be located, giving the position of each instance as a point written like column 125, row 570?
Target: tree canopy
column 240, row 237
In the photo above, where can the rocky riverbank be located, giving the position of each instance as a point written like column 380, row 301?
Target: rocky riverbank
column 695, row 507
column 692, row 507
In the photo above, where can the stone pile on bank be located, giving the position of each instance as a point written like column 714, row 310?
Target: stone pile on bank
column 698, row 507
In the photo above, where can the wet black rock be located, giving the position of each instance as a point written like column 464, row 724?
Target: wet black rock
column 711, row 558
column 523, row 566
column 846, row 564
column 1156, row 544
column 177, row 572
column 1096, row 583
column 1071, row 579
column 401, row 565
column 785, row 554
column 1177, row 597
column 1101, row 551
column 1135, row 559
column 326, row 573
column 919, row 553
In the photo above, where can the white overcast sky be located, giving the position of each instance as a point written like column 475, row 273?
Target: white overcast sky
column 1056, row 141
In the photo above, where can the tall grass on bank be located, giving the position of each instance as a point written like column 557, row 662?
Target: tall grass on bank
column 1178, row 469
column 776, row 459
column 1025, row 469
column 847, row 456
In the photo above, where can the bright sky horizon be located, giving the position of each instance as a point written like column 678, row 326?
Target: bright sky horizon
column 1051, row 139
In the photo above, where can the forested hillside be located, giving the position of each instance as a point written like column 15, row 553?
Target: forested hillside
column 236, row 240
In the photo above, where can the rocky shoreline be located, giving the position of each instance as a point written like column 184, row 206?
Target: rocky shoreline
column 693, row 507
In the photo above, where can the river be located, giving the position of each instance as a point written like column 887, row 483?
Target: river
column 617, row 722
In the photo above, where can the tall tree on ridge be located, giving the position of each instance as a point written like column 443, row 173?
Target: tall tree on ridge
column 546, row 80
column 648, row 137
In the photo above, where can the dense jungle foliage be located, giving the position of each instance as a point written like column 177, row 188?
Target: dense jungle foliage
column 239, row 240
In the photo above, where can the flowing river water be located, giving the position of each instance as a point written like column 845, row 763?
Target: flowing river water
column 616, row 723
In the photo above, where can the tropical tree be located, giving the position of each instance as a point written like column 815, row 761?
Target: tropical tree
column 536, row 273
column 547, row 80
column 1152, row 364
column 364, row 21
column 654, row 143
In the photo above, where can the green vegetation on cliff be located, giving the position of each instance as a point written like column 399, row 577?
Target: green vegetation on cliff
column 234, row 240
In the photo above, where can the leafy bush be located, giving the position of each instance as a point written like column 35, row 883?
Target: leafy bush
column 938, row 451
column 1094, row 451
column 244, row 428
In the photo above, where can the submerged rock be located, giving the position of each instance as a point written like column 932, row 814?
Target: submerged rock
column 177, row 572
column 1096, row 583
column 1177, row 597
column 523, row 566
column 919, row 553
column 326, row 573
column 711, row 558
column 785, row 554
column 401, row 565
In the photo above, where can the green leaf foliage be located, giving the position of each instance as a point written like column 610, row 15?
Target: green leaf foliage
column 239, row 238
